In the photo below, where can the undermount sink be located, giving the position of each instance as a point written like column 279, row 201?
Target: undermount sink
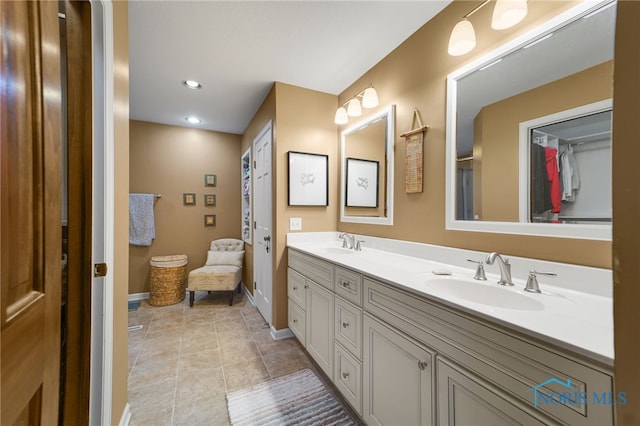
column 336, row 250
column 485, row 294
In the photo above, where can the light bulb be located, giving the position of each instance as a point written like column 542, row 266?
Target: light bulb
column 193, row 120
column 192, row 84
column 463, row 38
column 370, row 98
column 341, row 116
column 353, row 108
column 508, row 13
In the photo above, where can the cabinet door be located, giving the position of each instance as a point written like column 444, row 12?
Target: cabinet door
column 297, row 321
column 320, row 326
column 397, row 378
column 464, row 399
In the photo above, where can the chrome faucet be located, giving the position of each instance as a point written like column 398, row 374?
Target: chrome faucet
column 348, row 240
column 505, row 268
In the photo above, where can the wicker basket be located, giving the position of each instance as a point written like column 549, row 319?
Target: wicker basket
column 168, row 280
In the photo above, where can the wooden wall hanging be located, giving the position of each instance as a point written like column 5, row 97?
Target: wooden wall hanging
column 413, row 159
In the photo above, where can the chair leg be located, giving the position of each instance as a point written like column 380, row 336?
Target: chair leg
column 192, row 294
column 239, row 288
column 231, row 298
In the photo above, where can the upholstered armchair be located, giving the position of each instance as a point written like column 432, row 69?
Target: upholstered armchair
column 222, row 272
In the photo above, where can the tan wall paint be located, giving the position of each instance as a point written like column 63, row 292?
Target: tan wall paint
column 266, row 113
column 498, row 146
column 171, row 160
column 626, row 204
column 414, row 76
column 304, row 123
column 121, row 189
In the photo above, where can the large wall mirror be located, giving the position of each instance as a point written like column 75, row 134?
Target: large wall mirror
column 529, row 131
column 366, row 155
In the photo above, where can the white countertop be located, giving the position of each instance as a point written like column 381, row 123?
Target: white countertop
column 575, row 310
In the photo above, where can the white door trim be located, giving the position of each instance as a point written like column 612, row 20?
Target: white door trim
column 103, row 221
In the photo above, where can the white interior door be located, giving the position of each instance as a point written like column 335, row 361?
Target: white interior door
column 262, row 246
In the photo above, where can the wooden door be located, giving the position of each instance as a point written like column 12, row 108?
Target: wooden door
column 263, row 243
column 30, row 205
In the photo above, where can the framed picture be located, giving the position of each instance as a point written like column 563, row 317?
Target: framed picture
column 308, row 174
column 189, row 199
column 362, row 183
column 209, row 220
column 210, row 200
column 210, row 180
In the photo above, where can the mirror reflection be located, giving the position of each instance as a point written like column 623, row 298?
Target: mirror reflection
column 550, row 90
column 366, row 156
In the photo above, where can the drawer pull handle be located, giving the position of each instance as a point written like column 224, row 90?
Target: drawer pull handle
column 345, row 284
column 423, row 365
column 295, row 321
column 295, row 288
column 345, row 375
column 345, row 324
column 306, row 286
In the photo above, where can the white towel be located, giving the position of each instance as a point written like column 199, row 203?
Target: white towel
column 142, row 229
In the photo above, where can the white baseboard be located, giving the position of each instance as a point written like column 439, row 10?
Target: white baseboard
column 284, row 333
column 138, row 296
column 249, row 295
column 126, row 416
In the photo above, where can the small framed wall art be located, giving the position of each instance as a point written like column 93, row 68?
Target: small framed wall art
column 210, row 180
column 209, row 200
column 308, row 174
column 189, row 199
column 362, row 183
column 209, row 220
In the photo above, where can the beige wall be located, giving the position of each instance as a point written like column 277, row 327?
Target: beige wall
column 171, row 160
column 304, row 122
column 626, row 204
column 497, row 126
column 414, row 76
column 121, row 237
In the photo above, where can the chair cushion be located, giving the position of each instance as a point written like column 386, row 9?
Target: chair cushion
column 233, row 258
column 214, row 278
column 227, row 244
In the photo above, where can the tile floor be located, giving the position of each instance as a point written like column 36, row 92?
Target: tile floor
column 184, row 360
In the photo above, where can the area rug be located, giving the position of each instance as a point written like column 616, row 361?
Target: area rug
column 297, row 399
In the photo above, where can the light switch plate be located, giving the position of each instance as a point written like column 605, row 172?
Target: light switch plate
column 295, row 224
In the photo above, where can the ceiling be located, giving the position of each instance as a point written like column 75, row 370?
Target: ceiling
column 237, row 49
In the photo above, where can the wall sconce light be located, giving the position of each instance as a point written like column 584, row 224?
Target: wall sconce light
column 366, row 98
column 506, row 14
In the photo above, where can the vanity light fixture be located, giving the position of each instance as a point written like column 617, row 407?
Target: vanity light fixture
column 366, row 98
column 193, row 120
column 191, row 84
column 506, row 14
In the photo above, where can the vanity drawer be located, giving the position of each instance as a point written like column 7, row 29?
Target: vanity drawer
column 348, row 285
column 348, row 326
column 348, row 377
column 315, row 269
column 515, row 362
column 296, row 285
column 297, row 323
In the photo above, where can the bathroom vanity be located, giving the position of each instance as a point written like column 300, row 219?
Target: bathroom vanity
column 405, row 345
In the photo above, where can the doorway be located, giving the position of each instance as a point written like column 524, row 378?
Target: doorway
column 263, row 213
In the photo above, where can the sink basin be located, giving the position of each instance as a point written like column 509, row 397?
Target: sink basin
column 485, row 294
column 335, row 250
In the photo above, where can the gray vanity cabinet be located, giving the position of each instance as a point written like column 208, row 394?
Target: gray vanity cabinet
column 465, row 399
column 397, row 377
column 311, row 306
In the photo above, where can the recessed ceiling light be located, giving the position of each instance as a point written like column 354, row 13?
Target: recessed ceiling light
column 192, row 84
column 193, row 120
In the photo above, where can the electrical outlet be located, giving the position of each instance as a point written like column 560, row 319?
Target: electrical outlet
column 295, row 224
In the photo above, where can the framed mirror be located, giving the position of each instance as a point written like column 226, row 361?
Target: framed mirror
column 366, row 170
column 545, row 94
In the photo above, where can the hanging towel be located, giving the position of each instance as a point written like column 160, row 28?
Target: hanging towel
column 142, row 229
